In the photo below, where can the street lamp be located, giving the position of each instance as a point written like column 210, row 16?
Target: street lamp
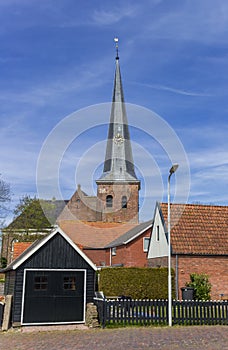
column 171, row 171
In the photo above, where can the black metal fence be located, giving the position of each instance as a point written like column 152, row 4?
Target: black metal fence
column 149, row 312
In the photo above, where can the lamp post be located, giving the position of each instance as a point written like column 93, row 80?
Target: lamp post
column 171, row 171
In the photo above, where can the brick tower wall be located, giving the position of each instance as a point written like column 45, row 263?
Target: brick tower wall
column 116, row 213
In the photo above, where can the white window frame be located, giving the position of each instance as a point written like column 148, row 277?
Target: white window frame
column 146, row 245
column 113, row 251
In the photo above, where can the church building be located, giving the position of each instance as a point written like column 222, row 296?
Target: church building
column 106, row 226
column 118, row 187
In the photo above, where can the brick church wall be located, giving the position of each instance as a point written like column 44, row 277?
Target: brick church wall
column 116, row 213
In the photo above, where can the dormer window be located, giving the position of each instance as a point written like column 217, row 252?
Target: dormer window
column 109, row 200
column 124, row 202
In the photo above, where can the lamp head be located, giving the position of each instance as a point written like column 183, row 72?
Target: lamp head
column 173, row 169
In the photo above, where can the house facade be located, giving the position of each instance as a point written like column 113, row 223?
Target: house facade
column 111, row 244
column 199, row 244
column 128, row 250
column 106, row 244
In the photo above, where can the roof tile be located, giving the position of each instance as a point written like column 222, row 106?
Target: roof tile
column 198, row 229
column 94, row 234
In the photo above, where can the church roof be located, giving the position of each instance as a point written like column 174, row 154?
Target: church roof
column 119, row 164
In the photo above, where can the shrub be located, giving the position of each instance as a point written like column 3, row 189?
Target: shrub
column 201, row 285
column 139, row 283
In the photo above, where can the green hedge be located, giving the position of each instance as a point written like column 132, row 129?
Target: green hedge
column 139, row 283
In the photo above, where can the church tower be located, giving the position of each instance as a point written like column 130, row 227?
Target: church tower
column 118, row 187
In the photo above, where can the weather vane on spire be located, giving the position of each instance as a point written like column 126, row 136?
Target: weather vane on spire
column 117, row 52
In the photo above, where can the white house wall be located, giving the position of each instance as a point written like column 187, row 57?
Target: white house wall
column 158, row 248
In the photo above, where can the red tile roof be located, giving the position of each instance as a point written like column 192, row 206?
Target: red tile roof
column 93, row 234
column 198, row 229
column 20, row 247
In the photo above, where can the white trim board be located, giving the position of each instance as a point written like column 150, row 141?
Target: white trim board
column 52, row 323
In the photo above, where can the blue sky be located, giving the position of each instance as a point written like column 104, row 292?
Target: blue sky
column 58, row 57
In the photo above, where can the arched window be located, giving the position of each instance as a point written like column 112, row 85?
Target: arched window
column 124, row 202
column 12, row 248
column 109, row 199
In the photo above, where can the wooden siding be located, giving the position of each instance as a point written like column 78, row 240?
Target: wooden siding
column 57, row 253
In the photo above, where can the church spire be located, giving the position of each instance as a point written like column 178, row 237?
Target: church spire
column 118, row 165
column 118, row 187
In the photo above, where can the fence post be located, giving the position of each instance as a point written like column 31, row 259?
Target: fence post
column 104, row 313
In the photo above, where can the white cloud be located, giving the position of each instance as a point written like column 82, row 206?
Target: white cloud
column 38, row 95
column 114, row 14
column 173, row 90
column 193, row 20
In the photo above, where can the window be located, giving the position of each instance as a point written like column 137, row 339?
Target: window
column 124, row 202
column 114, row 251
column 12, row 247
column 69, row 283
column 109, row 199
column 40, row 282
column 157, row 234
column 146, row 241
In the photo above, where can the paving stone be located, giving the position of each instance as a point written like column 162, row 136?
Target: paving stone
column 159, row 338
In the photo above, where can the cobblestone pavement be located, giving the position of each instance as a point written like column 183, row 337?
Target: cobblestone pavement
column 159, row 338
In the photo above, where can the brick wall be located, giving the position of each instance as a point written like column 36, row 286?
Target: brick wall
column 132, row 254
column 116, row 213
column 97, row 256
column 216, row 267
column 128, row 255
column 90, row 208
column 158, row 262
column 80, row 207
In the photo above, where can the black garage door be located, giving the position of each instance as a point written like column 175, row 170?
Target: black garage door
column 53, row 296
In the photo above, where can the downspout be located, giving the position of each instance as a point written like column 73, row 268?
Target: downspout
column 177, row 279
column 110, row 256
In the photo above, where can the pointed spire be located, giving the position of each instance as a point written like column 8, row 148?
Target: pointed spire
column 118, row 165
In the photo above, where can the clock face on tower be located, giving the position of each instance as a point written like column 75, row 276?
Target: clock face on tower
column 102, row 190
column 118, row 139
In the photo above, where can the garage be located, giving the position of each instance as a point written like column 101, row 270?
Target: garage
column 53, row 296
column 51, row 282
